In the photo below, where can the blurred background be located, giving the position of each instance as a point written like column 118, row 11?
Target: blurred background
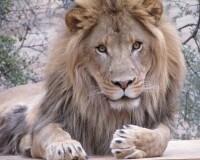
column 27, row 27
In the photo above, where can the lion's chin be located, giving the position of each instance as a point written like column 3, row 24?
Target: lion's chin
column 125, row 103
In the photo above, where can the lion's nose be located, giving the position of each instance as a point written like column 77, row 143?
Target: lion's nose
column 123, row 84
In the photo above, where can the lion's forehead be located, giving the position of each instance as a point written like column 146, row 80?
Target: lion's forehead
column 109, row 38
column 109, row 32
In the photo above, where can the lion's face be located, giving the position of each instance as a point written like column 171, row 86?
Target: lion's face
column 119, row 60
column 123, row 51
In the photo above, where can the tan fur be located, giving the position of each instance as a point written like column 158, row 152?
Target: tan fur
column 83, row 98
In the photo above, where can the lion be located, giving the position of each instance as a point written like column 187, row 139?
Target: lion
column 112, row 85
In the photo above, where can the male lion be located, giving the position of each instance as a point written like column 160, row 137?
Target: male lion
column 118, row 64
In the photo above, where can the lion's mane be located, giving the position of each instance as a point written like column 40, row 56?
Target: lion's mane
column 89, row 119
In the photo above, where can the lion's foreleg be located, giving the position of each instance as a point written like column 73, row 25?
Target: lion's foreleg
column 137, row 142
column 52, row 142
column 165, row 135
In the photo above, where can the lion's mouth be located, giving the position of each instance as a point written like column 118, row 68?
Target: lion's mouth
column 126, row 99
column 125, row 103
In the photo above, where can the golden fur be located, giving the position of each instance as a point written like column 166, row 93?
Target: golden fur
column 76, row 84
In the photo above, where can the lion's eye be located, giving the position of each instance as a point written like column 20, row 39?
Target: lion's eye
column 137, row 46
column 101, row 49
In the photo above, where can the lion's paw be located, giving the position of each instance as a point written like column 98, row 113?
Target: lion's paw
column 134, row 142
column 69, row 150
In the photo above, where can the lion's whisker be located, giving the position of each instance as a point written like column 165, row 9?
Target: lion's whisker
column 153, row 87
column 93, row 93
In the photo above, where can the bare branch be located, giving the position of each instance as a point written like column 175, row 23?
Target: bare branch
column 187, row 25
column 195, row 30
column 197, row 43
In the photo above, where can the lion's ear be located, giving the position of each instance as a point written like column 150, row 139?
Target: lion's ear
column 79, row 19
column 154, row 8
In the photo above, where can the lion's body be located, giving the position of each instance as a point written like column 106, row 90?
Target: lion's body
column 28, row 95
column 83, row 90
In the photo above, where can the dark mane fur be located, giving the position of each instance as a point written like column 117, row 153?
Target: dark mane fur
column 12, row 128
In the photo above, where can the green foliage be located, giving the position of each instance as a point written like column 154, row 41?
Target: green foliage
column 11, row 65
column 190, row 104
column 4, row 8
column 188, row 125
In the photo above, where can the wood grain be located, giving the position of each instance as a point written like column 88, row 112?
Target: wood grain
column 176, row 150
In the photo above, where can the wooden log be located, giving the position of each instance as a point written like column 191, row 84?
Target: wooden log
column 176, row 150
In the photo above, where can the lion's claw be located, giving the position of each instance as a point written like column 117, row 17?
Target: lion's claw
column 69, row 150
column 133, row 142
column 125, row 149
